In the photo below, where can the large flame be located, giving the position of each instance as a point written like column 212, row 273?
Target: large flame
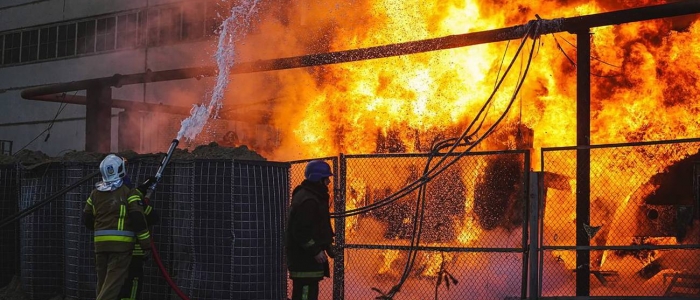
column 643, row 68
column 644, row 86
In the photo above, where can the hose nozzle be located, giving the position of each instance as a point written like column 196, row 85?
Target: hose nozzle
column 162, row 166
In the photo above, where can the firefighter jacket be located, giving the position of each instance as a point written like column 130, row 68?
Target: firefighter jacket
column 117, row 217
column 152, row 218
column 309, row 230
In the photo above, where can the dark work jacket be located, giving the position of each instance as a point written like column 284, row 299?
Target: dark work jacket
column 309, row 230
column 118, row 220
column 152, row 216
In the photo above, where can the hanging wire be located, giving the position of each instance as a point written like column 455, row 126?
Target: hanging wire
column 61, row 107
column 428, row 171
column 464, row 139
column 574, row 63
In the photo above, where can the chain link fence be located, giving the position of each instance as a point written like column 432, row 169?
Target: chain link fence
column 472, row 238
column 642, row 229
column 222, row 230
column 296, row 176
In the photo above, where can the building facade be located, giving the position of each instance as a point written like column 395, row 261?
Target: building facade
column 58, row 41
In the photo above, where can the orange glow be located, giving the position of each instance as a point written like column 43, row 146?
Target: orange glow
column 644, row 87
column 343, row 108
column 434, row 261
column 389, row 257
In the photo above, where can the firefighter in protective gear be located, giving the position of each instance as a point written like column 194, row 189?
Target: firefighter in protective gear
column 133, row 285
column 309, row 234
column 114, row 212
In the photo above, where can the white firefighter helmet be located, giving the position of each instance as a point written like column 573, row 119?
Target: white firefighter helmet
column 112, row 168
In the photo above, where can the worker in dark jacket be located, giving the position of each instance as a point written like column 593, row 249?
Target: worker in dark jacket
column 114, row 213
column 309, row 237
column 133, row 285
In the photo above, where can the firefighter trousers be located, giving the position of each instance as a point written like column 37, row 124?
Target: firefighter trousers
column 305, row 288
column 112, row 270
column 131, row 290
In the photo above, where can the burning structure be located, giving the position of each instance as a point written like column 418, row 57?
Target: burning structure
column 401, row 104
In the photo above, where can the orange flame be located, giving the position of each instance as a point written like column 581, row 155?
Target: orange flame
column 644, row 85
column 645, row 67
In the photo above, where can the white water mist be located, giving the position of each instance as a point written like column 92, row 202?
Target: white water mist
column 233, row 30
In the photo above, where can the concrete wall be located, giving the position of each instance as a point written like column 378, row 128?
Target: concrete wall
column 23, row 120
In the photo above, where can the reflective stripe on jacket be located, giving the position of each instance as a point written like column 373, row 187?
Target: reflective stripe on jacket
column 118, row 219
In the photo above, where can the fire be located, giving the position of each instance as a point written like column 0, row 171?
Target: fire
column 644, row 85
column 389, row 257
column 435, row 262
column 343, row 108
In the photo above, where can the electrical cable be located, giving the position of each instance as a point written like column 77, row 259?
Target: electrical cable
column 421, row 197
column 561, row 49
column 418, row 226
column 61, row 107
column 592, row 56
column 422, row 180
column 414, row 185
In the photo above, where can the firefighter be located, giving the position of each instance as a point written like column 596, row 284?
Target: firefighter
column 114, row 213
column 309, row 237
column 133, row 285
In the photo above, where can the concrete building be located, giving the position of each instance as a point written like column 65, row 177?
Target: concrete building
column 57, row 41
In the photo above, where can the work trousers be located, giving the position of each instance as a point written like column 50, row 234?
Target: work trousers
column 305, row 288
column 131, row 290
column 112, row 270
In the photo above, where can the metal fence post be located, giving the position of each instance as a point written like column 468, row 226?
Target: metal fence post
column 534, row 209
column 526, row 231
column 583, row 161
column 339, row 205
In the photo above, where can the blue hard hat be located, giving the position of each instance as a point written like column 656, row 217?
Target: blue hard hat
column 317, row 170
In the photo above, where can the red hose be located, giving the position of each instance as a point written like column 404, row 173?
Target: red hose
column 159, row 262
column 164, row 272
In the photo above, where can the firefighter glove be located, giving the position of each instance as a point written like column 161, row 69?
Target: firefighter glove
column 143, row 188
column 331, row 251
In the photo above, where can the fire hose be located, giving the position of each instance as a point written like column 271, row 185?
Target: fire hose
column 151, row 189
column 154, row 250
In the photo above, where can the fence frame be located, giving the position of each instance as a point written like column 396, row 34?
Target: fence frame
column 340, row 165
column 542, row 248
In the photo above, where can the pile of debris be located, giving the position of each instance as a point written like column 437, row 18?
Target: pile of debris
column 29, row 158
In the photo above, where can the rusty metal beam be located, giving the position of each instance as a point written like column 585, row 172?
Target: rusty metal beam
column 119, row 80
column 224, row 114
column 116, row 103
column 98, row 119
column 573, row 24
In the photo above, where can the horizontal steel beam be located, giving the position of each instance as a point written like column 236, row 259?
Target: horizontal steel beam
column 122, row 104
column 573, row 24
column 224, row 114
column 119, row 80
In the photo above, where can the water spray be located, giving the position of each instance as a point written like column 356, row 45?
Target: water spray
column 232, row 29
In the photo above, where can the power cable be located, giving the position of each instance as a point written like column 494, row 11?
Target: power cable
column 420, row 203
column 592, row 56
column 409, row 188
column 61, row 107
column 576, row 65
